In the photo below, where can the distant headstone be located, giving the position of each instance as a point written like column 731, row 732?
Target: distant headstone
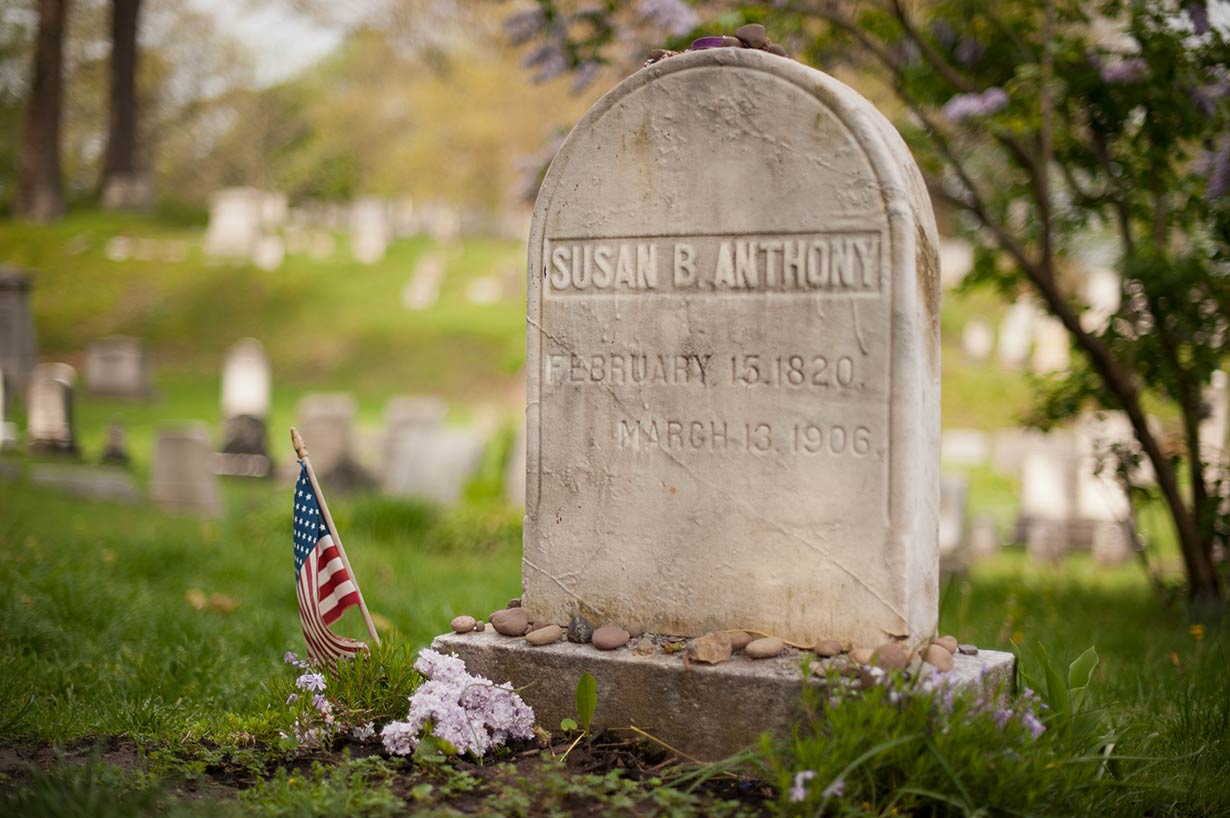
column 18, row 345
column 326, row 422
column 1052, row 347
column 433, row 465
column 115, row 485
column 275, row 209
column 183, row 476
column 269, row 252
column 953, row 491
column 964, row 447
column 370, row 230
column 977, row 340
column 128, row 191
column 1103, row 292
column 1016, row 333
column 246, row 396
column 733, row 374
column 1047, row 493
column 1103, row 510
column 116, row 451
column 8, row 429
column 983, row 537
column 484, row 290
column 234, row 222
column 120, row 248
column 117, row 367
column 441, row 221
column 1214, row 432
column 956, row 260
column 49, row 410
column 423, row 289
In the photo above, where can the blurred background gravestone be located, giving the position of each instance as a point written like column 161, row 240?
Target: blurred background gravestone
column 18, row 343
column 183, row 477
column 234, row 222
column 49, row 410
column 246, row 398
column 370, row 229
column 326, row 422
column 117, row 367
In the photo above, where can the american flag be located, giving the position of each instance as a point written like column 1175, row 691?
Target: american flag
column 325, row 587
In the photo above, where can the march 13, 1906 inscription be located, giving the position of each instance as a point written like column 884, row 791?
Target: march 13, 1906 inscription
column 733, row 362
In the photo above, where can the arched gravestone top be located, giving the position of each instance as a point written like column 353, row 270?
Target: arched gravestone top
column 733, row 361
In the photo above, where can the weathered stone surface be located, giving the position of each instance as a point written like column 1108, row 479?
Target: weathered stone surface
column 18, row 343
column 117, row 367
column 610, row 637
column 659, row 693
column 764, row 648
column 183, row 478
column 463, row 624
column 753, row 351
column 711, row 648
column 544, row 635
column 826, row 648
column 51, row 428
column 510, row 621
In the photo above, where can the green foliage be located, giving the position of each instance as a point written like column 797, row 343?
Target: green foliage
column 354, row 787
column 94, row 789
column 586, row 699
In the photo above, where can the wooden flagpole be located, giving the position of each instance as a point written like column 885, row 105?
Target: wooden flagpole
column 302, row 453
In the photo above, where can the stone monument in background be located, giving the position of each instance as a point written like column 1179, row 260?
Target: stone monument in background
column 49, row 409
column 117, row 367
column 18, row 343
column 246, row 398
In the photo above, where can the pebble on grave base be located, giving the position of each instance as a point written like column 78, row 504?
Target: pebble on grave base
column 580, row 630
column 891, row 656
column 948, row 643
column 740, row 640
column 861, row 656
column 463, row 624
column 765, row 648
column 510, row 621
column 610, row 637
column 828, row 648
column 938, row 657
column 545, row 635
column 710, row 648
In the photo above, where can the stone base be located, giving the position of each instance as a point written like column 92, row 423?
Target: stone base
column 706, row 711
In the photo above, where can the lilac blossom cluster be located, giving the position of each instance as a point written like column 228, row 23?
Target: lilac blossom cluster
column 971, row 106
column 469, row 712
column 1122, row 71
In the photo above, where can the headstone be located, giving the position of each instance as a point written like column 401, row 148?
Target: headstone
column 370, row 231
column 117, row 367
column 484, row 290
column 269, row 252
column 434, row 466
column 116, row 451
column 977, row 340
column 441, row 221
column 733, row 397
column 1047, row 492
column 246, row 397
column 1103, row 292
column 115, row 485
column 956, row 260
column 128, row 191
column 120, row 248
column 234, row 222
column 1016, row 333
column 1103, row 510
column 183, row 477
column 403, row 217
column 326, row 422
column 1052, row 347
column 8, row 429
column 49, row 410
column 275, row 209
column 1008, row 447
column 18, row 345
column 423, row 289
column 964, row 447
column 953, row 491
column 733, row 376
column 983, row 537
column 1214, row 430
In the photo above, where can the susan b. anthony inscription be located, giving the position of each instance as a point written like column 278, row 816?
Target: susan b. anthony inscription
column 733, row 362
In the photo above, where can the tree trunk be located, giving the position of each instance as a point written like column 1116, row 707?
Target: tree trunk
column 119, row 169
column 40, row 195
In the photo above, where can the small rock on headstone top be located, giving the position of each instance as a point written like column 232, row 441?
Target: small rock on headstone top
column 463, row 624
column 710, row 648
column 948, row 643
column 740, row 640
column 968, row 650
column 510, row 621
column 938, row 657
column 891, row 656
column 546, row 635
column 515, row 602
column 580, row 630
column 828, row 648
column 765, row 648
column 610, row 637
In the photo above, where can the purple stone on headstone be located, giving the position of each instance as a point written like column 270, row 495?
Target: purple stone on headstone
column 706, row 42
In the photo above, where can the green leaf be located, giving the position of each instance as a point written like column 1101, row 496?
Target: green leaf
column 1080, row 672
column 1056, row 691
column 568, row 725
column 587, row 699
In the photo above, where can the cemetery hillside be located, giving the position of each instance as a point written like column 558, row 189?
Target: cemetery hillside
column 663, row 408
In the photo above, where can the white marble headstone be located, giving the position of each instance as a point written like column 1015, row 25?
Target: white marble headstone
column 234, row 222
column 117, row 366
column 246, row 382
column 733, row 369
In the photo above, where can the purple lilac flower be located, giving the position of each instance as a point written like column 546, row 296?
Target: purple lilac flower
column 289, row 657
column 549, row 59
column 311, row 682
column 798, row 790
column 673, row 16
column 1001, row 717
column 292, row 698
column 322, row 704
column 1219, row 171
column 1130, row 69
column 835, row 790
column 969, row 106
column 364, row 732
column 521, row 26
column 968, row 51
column 1032, row 724
column 1198, row 11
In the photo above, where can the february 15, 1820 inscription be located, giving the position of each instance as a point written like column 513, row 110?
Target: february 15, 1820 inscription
column 733, row 373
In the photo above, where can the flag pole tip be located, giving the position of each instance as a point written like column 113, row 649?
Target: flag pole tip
column 297, row 442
